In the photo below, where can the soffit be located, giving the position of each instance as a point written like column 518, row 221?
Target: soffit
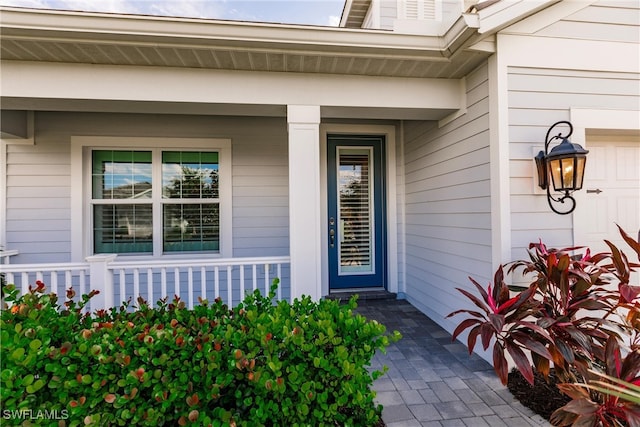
column 354, row 13
column 54, row 36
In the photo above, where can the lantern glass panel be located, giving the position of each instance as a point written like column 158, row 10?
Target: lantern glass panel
column 562, row 173
column 580, row 161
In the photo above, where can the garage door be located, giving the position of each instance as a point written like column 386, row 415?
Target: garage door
column 611, row 192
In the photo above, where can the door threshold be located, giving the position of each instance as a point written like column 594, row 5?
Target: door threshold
column 364, row 294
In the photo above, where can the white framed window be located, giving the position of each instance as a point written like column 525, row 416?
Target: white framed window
column 151, row 197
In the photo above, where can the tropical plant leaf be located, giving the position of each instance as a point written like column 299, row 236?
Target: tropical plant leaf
column 541, row 364
column 563, row 262
column 480, row 304
column 589, row 304
column 537, row 328
column 500, row 364
column 531, row 344
column 583, row 406
column 562, row 418
column 473, row 337
column 628, row 293
column 497, row 321
column 486, row 333
column 469, row 312
column 630, row 241
column 574, row 391
column 618, row 259
column 564, row 349
column 522, row 362
column 500, row 290
column 525, row 296
column 613, row 358
column 579, row 338
column 631, row 367
column 614, row 390
column 462, row 326
column 483, row 293
column 633, row 416
column 546, row 322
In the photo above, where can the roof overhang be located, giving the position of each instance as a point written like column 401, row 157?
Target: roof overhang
column 59, row 52
column 57, row 36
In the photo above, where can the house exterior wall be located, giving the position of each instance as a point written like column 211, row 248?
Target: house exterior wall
column 388, row 14
column 563, row 60
column 537, row 99
column 39, row 180
column 603, row 20
column 448, row 204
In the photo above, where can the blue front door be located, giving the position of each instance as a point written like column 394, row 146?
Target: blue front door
column 356, row 204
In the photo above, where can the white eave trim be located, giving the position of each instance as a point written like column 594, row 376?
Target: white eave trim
column 33, row 24
column 504, row 13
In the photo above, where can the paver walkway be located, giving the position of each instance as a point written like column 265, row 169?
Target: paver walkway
column 434, row 382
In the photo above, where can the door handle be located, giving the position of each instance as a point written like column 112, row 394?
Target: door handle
column 597, row 191
column 332, row 232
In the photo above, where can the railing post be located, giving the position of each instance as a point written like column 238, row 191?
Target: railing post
column 101, row 279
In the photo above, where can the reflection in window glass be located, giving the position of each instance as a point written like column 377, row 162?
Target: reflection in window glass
column 191, row 227
column 121, row 174
column 187, row 174
column 120, row 228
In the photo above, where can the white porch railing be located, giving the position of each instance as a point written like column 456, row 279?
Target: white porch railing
column 5, row 256
column 122, row 281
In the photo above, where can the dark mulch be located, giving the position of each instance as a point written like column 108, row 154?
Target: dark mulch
column 542, row 398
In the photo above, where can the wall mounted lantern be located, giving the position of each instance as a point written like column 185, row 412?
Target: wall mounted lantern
column 564, row 164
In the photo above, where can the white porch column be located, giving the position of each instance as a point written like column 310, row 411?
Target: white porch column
column 304, row 200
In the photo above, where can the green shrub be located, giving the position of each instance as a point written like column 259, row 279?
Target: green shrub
column 259, row 363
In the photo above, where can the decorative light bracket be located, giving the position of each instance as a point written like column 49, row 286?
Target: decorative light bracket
column 562, row 167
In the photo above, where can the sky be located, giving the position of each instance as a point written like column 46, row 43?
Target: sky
column 308, row 12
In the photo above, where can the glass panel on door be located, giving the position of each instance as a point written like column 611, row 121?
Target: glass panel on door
column 355, row 216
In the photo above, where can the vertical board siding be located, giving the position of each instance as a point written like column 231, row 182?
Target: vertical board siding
column 448, row 204
column 538, row 98
column 39, row 187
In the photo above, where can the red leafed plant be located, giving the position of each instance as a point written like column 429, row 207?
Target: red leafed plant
column 579, row 315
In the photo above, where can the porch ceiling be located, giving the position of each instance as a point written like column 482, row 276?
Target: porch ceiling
column 90, row 38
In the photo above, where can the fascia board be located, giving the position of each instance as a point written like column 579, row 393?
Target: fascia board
column 504, row 13
column 458, row 34
column 549, row 16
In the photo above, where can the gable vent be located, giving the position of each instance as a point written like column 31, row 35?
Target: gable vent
column 419, row 9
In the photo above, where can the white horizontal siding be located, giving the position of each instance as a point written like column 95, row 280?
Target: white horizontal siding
column 448, row 204
column 537, row 99
column 388, row 14
column 39, row 187
column 49, row 225
column 605, row 20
